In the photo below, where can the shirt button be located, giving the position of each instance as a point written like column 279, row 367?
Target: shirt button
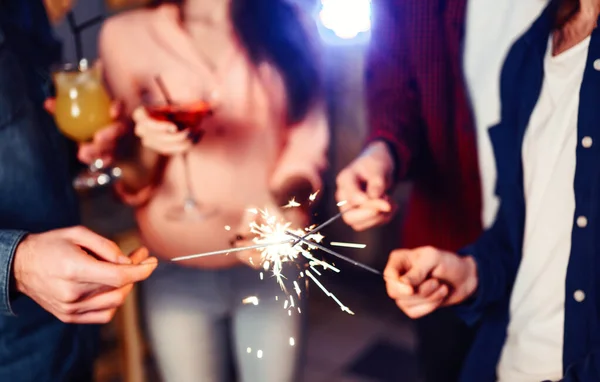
column 579, row 295
column 597, row 64
column 582, row 222
column 586, row 142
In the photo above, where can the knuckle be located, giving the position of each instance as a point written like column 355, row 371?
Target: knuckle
column 69, row 295
column 70, row 271
column 76, row 230
column 69, row 309
column 66, row 318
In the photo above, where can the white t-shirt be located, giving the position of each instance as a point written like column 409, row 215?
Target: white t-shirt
column 534, row 346
column 492, row 26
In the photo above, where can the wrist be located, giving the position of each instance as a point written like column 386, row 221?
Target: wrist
column 19, row 265
column 383, row 151
column 471, row 279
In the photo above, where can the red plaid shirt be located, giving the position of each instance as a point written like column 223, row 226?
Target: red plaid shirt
column 418, row 103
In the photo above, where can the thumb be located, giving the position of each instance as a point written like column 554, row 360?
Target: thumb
column 416, row 275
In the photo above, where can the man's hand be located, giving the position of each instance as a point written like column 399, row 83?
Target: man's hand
column 363, row 186
column 77, row 275
column 423, row 279
column 105, row 140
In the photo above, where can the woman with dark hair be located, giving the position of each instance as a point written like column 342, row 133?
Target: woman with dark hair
column 265, row 143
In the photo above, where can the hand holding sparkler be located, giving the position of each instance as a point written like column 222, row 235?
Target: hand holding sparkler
column 423, row 279
column 364, row 184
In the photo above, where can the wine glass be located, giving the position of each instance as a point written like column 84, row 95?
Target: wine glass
column 82, row 109
column 186, row 116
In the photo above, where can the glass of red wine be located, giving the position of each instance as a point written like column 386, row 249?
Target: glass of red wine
column 188, row 117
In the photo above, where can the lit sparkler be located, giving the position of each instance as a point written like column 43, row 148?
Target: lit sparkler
column 279, row 243
column 348, row 245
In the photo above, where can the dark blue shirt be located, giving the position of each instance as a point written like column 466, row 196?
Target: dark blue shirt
column 498, row 252
column 35, row 196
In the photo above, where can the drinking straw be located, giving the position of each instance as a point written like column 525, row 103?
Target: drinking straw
column 76, row 30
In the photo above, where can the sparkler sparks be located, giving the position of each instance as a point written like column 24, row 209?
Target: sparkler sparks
column 280, row 244
column 250, row 300
column 347, row 245
column 292, row 204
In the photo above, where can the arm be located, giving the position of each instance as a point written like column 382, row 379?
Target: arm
column 303, row 160
column 392, row 97
column 9, row 240
column 141, row 167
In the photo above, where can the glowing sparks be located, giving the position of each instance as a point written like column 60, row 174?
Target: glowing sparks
column 259, row 354
column 279, row 244
column 292, row 204
column 292, row 341
column 250, row 300
column 227, row 228
column 313, row 197
column 348, row 245
column 297, row 288
column 248, row 350
column 342, row 203
column 329, row 294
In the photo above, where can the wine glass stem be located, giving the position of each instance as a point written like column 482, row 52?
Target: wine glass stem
column 189, row 199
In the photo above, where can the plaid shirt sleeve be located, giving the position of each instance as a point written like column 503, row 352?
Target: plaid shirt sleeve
column 392, row 98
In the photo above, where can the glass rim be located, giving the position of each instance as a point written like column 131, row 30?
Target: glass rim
column 72, row 67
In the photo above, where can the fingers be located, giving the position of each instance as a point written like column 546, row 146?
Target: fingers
column 50, row 105
column 97, row 317
column 369, row 214
column 422, row 263
column 349, row 187
column 421, row 306
column 98, row 245
column 376, row 186
column 102, row 301
column 160, row 136
column 103, row 145
column 139, row 255
column 103, row 273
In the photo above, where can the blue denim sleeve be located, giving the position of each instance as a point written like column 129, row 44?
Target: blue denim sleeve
column 497, row 262
column 9, row 240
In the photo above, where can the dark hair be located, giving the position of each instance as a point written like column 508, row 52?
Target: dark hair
column 271, row 30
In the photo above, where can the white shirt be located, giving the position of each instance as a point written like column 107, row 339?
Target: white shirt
column 492, row 26
column 533, row 349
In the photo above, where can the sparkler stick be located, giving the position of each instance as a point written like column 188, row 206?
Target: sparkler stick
column 231, row 250
column 323, row 225
column 333, row 253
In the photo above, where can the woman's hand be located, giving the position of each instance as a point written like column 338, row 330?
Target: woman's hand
column 160, row 136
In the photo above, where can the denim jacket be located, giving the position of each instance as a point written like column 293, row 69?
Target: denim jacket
column 35, row 196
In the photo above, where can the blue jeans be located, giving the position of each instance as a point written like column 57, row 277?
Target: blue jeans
column 195, row 318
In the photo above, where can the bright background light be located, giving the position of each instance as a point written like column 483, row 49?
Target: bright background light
column 346, row 18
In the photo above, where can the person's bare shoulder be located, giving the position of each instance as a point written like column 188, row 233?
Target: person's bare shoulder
column 122, row 30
